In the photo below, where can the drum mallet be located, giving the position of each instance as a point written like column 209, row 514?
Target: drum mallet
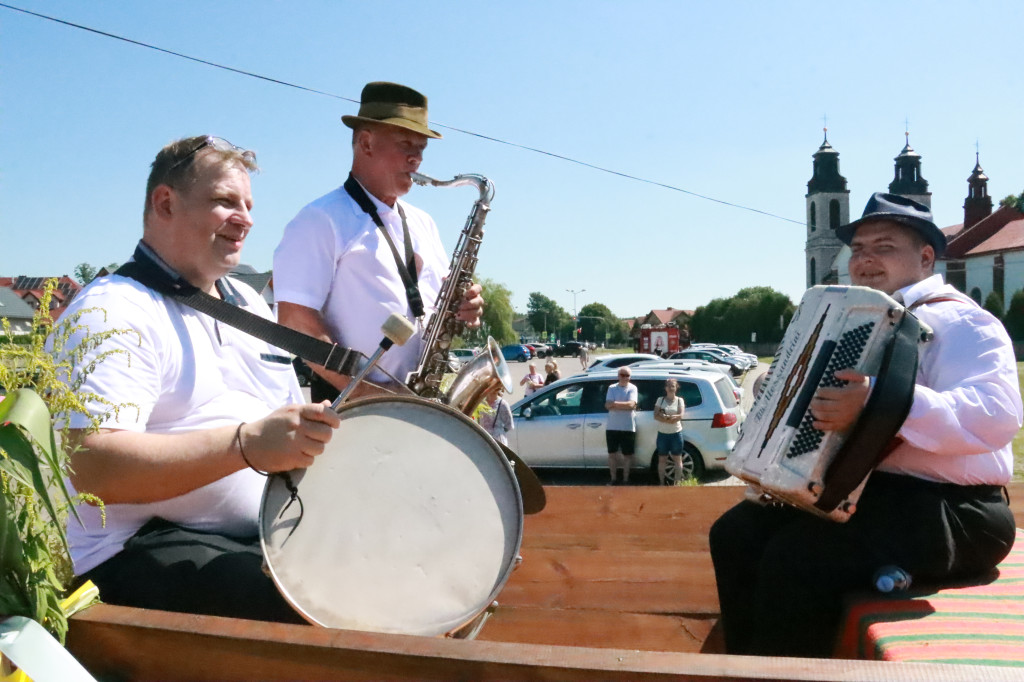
column 396, row 329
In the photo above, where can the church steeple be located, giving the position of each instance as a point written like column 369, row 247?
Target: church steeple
column 826, row 177
column 908, row 180
column 978, row 204
column 828, row 207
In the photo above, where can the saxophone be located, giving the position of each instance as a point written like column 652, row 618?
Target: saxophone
column 488, row 369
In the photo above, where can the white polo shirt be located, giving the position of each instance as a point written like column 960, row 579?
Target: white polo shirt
column 333, row 258
column 182, row 372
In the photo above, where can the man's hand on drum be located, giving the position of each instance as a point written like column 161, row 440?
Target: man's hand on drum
column 836, row 408
column 289, row 437
column 472, row 306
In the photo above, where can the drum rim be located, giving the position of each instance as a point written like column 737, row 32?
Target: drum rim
column 507, row 569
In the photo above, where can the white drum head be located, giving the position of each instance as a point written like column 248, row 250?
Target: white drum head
column 411, row 522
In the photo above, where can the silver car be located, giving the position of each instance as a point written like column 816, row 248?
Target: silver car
column 563, row 424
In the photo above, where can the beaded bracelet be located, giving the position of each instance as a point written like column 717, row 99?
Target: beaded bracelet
column 238, row 439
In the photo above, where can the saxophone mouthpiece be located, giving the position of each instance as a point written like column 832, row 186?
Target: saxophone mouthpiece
column 421, row 179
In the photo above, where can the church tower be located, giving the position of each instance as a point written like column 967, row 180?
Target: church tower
column 828, row 207
column 908, row 181
column 978, row 204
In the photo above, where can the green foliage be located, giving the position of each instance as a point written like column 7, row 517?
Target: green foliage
column 596, row 320
column 86, row 273
column 546, row 315
column 34, row 564
column 498, row 313
column 496, row 319
column 1014, row 201
column 994, row 304
column 1014, row 318
column 732, row 320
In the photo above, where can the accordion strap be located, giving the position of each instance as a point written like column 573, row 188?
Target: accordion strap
column 871, row 438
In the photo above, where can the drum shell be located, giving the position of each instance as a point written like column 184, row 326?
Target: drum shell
column 410, row 522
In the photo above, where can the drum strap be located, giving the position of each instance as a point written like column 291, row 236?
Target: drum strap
column 871, row 438
column 147, row 269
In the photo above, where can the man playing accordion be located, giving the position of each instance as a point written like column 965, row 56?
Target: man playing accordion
column 936, row 505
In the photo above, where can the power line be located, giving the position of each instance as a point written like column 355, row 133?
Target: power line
column 435, row 123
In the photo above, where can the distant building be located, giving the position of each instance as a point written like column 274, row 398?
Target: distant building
column 30, row 290
column 17, row 312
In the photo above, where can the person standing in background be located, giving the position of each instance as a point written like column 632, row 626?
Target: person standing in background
column 620, row 429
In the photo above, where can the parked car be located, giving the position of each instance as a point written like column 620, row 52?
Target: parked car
column 614, row 361
column 464, row 354
column 563, row 425
column 727, row 349
column 515, row 352
column 543, row 350
column 736, row 365
column 568, row 348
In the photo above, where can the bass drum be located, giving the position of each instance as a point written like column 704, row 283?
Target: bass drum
column 410, row 522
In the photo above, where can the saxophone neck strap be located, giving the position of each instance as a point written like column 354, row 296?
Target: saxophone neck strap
column 148, row 270
column 406, row 268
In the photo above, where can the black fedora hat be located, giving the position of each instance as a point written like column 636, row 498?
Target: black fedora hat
column 394, row 105
column 898, row 209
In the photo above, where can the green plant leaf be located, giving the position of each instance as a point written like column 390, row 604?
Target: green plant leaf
column 25, row 429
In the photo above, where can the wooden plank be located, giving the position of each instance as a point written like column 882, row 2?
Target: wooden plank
column 598, row 628
column 135, row 644
column 643, row 582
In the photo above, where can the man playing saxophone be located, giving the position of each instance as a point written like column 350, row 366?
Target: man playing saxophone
column 357, row 254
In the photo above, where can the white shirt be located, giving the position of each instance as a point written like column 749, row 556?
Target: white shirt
column 183, row 372
column 333, row 258
column 967, row 404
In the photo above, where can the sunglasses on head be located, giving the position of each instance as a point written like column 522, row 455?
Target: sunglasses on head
column 218, row 143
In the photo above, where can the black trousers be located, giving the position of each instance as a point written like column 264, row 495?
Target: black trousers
column 167, row 567
column 783, row 573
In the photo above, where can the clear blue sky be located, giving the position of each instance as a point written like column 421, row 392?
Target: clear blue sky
column 721, row 99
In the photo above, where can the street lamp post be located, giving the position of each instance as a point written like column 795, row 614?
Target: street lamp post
column 574, row 320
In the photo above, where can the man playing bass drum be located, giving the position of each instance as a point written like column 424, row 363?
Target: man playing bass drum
column 357, row 254
column 935, row 506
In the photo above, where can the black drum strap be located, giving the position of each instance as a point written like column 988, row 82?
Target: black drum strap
column 153, row 275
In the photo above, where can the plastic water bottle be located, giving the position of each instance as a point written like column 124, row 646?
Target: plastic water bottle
column 890, row 579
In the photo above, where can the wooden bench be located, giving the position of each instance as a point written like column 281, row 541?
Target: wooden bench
column 616, row 583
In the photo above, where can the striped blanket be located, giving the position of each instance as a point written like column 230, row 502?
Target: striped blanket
column 980, row 623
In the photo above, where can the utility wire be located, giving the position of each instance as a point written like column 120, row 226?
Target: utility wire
column 439, row 125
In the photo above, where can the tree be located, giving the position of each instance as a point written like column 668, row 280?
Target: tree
column 1014, row 319
column 760, row 310
column 84, row 273
column 497, row 317
column 597, row 321
column 1014, row 201
column 546, row 315
column 994, row 304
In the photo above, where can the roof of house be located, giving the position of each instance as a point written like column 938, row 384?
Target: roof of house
column 1010, row 236
column 12, row 305
column 986, row 235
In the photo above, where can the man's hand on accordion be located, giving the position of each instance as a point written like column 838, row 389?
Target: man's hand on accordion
column 836, row 408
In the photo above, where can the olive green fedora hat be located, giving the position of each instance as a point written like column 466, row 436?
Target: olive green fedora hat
column 392, row 104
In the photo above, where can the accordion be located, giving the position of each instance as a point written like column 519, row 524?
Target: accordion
column 780, row 454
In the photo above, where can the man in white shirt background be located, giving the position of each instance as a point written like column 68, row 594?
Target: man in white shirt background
column 935, row 506
column 338, row 274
